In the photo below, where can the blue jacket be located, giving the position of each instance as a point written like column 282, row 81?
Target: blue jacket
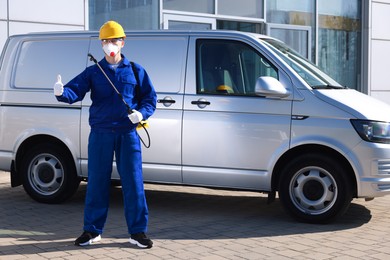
column 108, row 112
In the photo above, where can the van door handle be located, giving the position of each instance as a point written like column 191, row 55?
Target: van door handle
column 167, row 101
column 202, row 103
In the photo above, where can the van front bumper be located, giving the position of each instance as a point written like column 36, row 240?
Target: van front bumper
column 374, row 187
column 374, row 171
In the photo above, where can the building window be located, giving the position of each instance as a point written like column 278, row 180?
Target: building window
column 297, row 37
column 241, row 26
column 199, row 6
column 301, row 13
column 339, row 40
column 131, row 14
column 243, row 8
column 338, row 48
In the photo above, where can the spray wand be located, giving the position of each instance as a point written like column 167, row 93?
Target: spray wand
column 129, row 111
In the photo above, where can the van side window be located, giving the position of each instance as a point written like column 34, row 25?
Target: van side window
column 40, row 61
column 230, row 67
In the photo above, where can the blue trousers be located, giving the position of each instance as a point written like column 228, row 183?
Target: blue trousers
column 127, row 150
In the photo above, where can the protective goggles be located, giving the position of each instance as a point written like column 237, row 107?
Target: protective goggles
column 113, row 41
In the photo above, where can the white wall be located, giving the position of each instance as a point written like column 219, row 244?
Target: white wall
column 3, row 22
column 24, row 16
column 379, row 50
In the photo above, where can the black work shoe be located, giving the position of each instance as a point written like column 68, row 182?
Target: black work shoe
column 141, row 240
column 87, row 238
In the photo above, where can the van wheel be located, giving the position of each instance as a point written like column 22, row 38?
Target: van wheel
column 314, row 188
column 49, row 174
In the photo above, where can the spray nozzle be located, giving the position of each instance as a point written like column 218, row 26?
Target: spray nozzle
column 91, row 58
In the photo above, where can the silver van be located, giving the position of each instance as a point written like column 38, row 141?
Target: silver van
column 235, row 110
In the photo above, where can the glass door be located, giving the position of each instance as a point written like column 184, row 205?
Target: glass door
column 182, row 22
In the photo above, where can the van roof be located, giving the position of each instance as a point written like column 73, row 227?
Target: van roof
column 147, row 32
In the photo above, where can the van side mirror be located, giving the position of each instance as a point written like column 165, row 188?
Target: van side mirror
column 270, row 87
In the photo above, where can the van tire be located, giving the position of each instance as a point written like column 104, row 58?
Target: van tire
column 314, row 188
column 49, row 174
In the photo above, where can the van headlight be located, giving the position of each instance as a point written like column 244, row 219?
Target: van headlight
column 372, row 131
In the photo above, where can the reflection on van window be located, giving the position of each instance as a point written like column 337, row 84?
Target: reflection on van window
column 230, row 68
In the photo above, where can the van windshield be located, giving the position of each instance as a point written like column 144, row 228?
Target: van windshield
column 309, row 72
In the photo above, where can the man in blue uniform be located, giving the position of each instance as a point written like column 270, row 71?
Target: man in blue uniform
column 113, row 131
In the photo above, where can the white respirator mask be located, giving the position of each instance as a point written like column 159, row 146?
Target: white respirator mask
column 110, row 49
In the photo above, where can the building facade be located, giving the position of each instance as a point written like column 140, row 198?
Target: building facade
column 348, row 39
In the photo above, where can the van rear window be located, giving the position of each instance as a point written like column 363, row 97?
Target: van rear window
column 40, row 61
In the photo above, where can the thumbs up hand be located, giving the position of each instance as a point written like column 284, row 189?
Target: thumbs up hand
column 58, row 86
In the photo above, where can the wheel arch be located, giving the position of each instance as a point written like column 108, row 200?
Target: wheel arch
column 41, row 139
column 308, row 149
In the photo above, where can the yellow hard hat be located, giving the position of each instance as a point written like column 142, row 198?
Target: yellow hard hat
column 111, row 30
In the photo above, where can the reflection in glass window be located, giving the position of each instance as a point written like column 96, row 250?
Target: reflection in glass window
column 244, row 8
column 339, row 33
column 295, row 38
column 339, row 40
column 179, row 25
column 131, row 14
column 230, row 67
column 198, row 6
column 298, row 12
column 241, row 26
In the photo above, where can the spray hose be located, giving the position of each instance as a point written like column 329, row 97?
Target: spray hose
column 143, row 124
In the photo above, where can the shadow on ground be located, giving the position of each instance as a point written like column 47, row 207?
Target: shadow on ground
column 176, row 213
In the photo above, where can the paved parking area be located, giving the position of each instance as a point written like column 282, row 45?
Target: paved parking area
column 191, row 223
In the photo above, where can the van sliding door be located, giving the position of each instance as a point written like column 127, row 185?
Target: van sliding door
column 164, row 59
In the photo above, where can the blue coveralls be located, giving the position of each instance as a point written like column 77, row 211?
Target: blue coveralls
column 113, row 133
